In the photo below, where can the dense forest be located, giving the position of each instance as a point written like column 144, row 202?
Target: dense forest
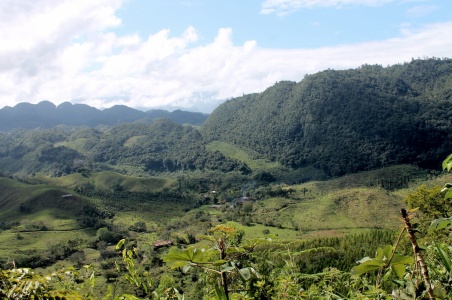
column 346, row 121
column 162, row 146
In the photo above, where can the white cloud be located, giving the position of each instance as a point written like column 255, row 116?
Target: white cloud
column 421, row 10
column 81, row 58
column 37, row 36
column 282, row 7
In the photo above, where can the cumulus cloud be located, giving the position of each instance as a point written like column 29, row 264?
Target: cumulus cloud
column 282, row 7
column 80, row 59
column 37, row 35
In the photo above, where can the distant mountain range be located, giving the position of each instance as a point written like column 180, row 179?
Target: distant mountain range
column 46, row 115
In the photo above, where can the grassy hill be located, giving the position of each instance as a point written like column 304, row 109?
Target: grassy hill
column 249, row 157
column 107, row 181
column 24, row 201
column 38, row 221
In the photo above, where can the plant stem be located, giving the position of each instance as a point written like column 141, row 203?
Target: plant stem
column 224, row 282
column 417, row 252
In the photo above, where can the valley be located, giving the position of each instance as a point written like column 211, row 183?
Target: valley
column 276, row 195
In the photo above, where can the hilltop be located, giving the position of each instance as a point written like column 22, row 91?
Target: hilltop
column 47, row 115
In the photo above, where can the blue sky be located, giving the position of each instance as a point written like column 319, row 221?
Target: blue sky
column 193, row 54
column 311, row 26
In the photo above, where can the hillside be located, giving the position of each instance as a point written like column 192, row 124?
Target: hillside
column 329, row 124
column 46, row 115
column 345, row 121
column 132, row 148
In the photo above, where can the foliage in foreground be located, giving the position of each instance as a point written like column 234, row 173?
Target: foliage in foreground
column 231, row 267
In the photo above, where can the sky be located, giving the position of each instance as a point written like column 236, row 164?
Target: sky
column 194, row 54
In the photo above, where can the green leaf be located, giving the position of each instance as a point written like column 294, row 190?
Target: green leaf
column 120, row 244
column 370, row 265
column 383, row 255
column 176, row 254
column 399, row 270
column 447, row 163
column 227, row 268
column 448, row 194
column 219, row 262
column 179, row 264
column 245, row 273
column 364, row 259
column 440, row 292
column 186, row 268
column 402, row 260
column 445, row 258
column 441, row 223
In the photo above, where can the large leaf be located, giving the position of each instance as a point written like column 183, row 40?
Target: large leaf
column 190, row 255
column 441, row 223
column 399, row 270
column 370, row 265
column 248, row 272
column 383, row 260
column 402, row 260
column 447, row 163
column 448, row 194
column 219, row 262
column 179, row 264
column 245, row 273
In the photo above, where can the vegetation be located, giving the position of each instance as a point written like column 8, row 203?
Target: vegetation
column 222, row 213
column 277, row 259
column 47, row 115
column 138, row 149
column 329, row 124
column 345, row 121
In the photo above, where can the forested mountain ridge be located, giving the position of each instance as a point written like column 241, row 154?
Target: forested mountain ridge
column 132, row 148
column 46, row 115
column 330, row 123
column 346, row 121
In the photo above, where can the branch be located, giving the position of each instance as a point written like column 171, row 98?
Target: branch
column 417, row 252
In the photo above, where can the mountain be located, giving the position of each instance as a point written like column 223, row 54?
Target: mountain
column 46, row 115
column 329, row 124
column 162, row 146
column 346, row 121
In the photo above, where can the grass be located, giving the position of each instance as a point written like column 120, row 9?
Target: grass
column 13, row 194
column 232, row 151
column 258, row 230
column 103, row 182
column 42, row 216
column 77, row 145
column 133, row 140
column 350, row 204
column 341, row 209
column 39, row 240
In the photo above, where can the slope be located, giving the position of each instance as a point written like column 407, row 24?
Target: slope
column 346, row 121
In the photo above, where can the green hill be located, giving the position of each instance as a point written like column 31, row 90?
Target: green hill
column 345, row 121
column 108, row 181
column 49, row 205
column 135, row 149
column 42, row 217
